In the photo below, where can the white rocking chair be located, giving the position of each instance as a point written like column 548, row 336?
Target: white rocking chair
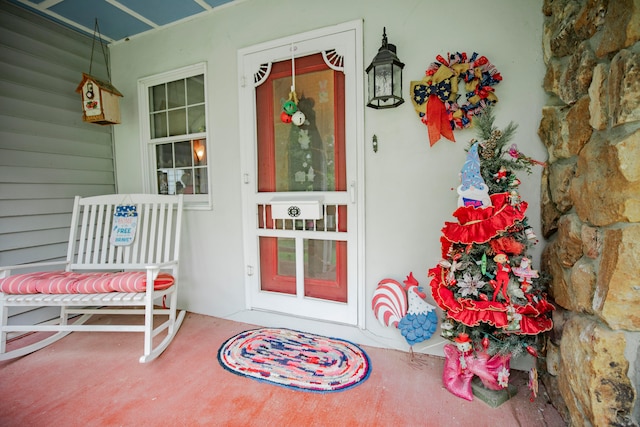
column 101, row 273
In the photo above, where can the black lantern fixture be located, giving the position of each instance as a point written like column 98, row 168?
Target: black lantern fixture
column 385, row 77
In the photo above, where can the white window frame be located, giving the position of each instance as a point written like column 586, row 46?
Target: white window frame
column 148, row 145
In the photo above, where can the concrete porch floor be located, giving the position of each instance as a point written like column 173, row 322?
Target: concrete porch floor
column 94, row 379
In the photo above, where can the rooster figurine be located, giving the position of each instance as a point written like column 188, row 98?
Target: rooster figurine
column 405, row 308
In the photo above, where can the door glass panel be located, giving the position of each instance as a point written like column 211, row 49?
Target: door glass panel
column 278, row 265
column 309, row 157
column 320, row 259
column 286, row 257
column 325, row 269
column 305, row 154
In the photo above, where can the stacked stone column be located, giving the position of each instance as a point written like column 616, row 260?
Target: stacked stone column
column 591, row 208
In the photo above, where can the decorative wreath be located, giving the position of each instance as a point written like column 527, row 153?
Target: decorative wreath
column 435, row 97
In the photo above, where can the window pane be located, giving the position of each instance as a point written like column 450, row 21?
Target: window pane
column 195, row 90
column 200, row 152
column 159, row 125
column 157, row 98
column 167, row 181
column 177, row 122
column 200, row 183
column 176, row 94
column 196, row 119
column 187, row 181
column 164, row 156
column 184, row 157
column 163, row 182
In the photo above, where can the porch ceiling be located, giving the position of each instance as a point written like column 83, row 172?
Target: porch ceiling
column 118, row 19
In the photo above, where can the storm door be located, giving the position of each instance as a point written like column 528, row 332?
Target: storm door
column 301, row 207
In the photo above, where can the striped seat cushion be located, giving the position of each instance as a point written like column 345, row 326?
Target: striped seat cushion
column 69, row 282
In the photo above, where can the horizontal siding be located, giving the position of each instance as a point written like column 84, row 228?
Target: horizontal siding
column 46, row 160
column 39, row 128
column 52, row 143
column 46, row 190
column 33, row 239
column 19, row 224
column 48, row 154
column 17, row 21
column 31, row 175
column 34, row 254
column 13, row 208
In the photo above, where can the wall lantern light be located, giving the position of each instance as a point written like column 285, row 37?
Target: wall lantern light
column 385, row 77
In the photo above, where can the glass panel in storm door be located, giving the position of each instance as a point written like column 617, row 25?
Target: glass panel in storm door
column 278, row 264
column 325, row 269
column 310, row 157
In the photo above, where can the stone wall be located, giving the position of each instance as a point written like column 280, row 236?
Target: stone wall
column 591, row 208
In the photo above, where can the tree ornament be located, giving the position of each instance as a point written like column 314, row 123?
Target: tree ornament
column 290, row 107
column 502, row 276
column 298, row 118
column 286, row 118
column 485, row 343
column 533, row 384
column 473, row 191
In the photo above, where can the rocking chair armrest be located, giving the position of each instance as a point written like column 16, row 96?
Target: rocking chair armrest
column 161, row 265
column 6, row 271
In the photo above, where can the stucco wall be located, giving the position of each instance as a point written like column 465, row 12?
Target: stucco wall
column 409, row 186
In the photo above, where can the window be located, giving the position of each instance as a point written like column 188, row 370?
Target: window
column 174, row 111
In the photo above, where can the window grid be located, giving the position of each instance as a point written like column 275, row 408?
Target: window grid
column 176, row 109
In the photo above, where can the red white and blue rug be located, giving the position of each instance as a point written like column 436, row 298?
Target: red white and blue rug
column 298, row 360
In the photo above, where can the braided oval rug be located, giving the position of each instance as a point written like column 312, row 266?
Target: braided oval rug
column 298, row 360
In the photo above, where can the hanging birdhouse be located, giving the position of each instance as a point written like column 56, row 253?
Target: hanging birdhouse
column 100, row 101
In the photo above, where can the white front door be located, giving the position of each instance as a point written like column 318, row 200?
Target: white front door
column 301, row 185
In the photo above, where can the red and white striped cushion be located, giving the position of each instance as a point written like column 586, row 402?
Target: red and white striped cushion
column 136, row 281
column 98, row 283
column 25, row 283
column 58, row 284
column 68, row 282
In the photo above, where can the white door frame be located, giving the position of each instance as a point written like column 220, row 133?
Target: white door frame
column 249, row 61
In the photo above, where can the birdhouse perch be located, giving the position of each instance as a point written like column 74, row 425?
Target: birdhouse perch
column 100, row 101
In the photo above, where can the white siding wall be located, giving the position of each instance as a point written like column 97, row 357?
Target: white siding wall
column 47, row 153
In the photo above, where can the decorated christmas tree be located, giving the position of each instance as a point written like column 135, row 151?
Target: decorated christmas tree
column 494, row 302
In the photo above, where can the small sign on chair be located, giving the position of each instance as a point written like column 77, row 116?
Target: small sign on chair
column 125, row 223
